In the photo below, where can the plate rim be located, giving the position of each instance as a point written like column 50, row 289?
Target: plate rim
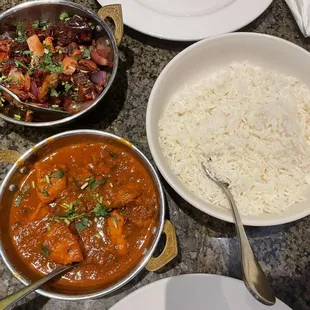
column 255, row 9
column 190, row 275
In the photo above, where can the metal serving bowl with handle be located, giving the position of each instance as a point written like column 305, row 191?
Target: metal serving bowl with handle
column 49, row 10
column 23, row 164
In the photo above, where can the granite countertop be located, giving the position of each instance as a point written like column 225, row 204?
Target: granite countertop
column 206, row 244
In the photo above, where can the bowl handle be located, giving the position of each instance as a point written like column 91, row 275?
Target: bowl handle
column 170, row 250
column 9, row 156
column 114, row 11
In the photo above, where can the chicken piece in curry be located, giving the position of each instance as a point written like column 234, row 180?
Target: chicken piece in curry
column 93, row 203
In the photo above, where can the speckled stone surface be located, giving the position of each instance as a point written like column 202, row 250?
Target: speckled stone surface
column 206, row 244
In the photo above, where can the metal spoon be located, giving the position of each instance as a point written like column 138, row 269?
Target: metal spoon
column 253, row 275
column 15, row 297
column 35, row 106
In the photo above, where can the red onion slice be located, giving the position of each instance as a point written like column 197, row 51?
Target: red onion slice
column 99, row 77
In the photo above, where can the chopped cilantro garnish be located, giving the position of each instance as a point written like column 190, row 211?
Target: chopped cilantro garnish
column 67, row 87
column 54, row 93
column 69, row 216
column 92, row 180
column 19, row 32
column 44, row 193
column 87, row 53
column 76, row 203
column 45, row 251
column 20, row 196
column 18, row 200
column 20, row 64
column 96, row 183
column 19, row 29
column 49, row 65
column 63, row 16
column 36, row 24
column 101, row 210
column 58, row 174
column 26, row 53
column 80, row 226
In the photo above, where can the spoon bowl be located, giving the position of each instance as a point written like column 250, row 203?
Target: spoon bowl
column 35, row 107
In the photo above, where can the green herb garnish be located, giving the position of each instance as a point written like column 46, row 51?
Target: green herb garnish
column 76, row 203
column 101, row 210
column 87, row 53
column 67, row 87
column 44, row 193
column 19, row 32
column 63, row 16
column 20, row 196
column 54, row 93
column 97, row 183
column 35, row 24
column 80, row 226
column 68, row 216
column 58, row 174
column 48, row 63
column 20, row 64
column 45, row 251
column 54, row 68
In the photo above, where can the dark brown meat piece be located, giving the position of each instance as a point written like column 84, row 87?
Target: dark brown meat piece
column 58, row 58
column 38, row 76
column 76, row 29
column 38, row 31
column 16, row 48
column 81, row 78
column 73, row 49
column 86, row 92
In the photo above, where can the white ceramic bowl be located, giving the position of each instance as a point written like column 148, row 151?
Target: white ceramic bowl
column 204, row 58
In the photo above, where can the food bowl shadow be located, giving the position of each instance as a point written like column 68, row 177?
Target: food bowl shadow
column 218, row 228
column 161, row 244
column 109, row 107
column 37, row 302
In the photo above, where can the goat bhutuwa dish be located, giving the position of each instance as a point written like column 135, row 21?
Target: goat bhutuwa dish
column 93, row 203
column 58, row 65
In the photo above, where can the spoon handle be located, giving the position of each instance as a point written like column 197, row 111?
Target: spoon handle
column 15, row 297
column 253, row 275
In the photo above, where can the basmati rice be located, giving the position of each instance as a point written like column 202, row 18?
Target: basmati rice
column 254, row 125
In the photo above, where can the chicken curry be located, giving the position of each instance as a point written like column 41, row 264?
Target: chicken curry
column 93, row 203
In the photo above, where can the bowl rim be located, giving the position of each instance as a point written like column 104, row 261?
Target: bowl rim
column 145, row 258
column 191, row 198
column 59, row 122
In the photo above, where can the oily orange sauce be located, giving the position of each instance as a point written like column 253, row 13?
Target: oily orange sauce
column 91, row 202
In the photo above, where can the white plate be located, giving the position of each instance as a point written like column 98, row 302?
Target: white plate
column 189, row 20
column 194, row 292
column 207, row 57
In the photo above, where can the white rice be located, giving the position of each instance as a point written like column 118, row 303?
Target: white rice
column 254, row 125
